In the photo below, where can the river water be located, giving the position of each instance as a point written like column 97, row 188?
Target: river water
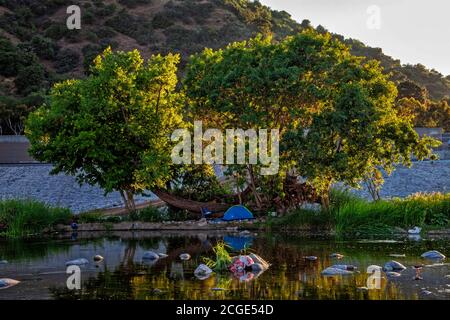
column 40, row 266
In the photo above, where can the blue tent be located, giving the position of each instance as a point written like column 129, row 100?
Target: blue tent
column 237, row 213
column 238, row 243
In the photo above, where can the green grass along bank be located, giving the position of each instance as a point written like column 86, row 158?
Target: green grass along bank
column 348, row 216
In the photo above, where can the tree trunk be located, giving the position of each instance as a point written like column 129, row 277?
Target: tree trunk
column 253, row 187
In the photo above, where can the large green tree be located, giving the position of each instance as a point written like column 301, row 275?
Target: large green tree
column 112, row 128
column 334, row 110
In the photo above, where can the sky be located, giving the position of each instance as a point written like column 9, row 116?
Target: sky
column 414, row 31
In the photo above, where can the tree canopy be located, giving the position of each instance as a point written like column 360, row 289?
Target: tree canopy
column 112, row 128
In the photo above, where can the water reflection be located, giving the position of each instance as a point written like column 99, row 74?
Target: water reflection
column 40, row 266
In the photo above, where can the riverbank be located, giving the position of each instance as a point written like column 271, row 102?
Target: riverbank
column 35, row 182
column 348, row 216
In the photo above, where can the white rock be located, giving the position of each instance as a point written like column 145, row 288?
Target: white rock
column 185, row 256
column 7, row 283
column 150, row 255
column 203, row 271
column 433, row 255
column 393, row 266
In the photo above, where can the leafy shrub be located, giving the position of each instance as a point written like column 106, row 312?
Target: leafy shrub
column 30, row 78
column 43, row 47
column 105, row 32
column 56, row 31
column 161, row 21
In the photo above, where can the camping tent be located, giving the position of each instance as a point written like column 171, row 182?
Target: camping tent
column 237, row 213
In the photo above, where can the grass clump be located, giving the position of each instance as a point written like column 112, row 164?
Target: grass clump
column 222, row 259
column 23, row 218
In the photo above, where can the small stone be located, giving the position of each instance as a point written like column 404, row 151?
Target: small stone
column 433, row 255
column 392, row 274
column 310, row 258
column 150, row 255
column 185, row 256
column 98, row 258
column 203, row 271
column 393, row 266
column 344, row 267
column 7, row 283
column 77, row 262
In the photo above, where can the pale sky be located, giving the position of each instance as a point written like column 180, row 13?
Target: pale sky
column 414, row 31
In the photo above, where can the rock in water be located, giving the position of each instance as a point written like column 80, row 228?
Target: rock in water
column 335, row 272
column 346, row 267
column 203, row 272
column 150, row 255
column 98, row 258
column 393, row 266
column 162, row 255
column 3, row 262
column 336, row 256
column 77, row 262
column 257, row 267
column 7, row 283
column 310, row 258
column 185, row 256
column 392, row 274
column 433, row 255
column 257, row 259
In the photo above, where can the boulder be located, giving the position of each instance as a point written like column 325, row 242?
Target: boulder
column 393, row 266
column 150, row 255
column 77, row 262
column 335, row 272
column 7, row 283
column 433, row 255
column 185, row 256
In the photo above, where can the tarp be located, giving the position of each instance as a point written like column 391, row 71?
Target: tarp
column 237, row 213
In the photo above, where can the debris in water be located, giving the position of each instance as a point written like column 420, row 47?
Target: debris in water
column 8, row 283
column 150, row 255
column 98, row 258
column 185, row 256
column 433, row 255
column 77, row 262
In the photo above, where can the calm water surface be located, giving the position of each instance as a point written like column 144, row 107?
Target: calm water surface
column 40, row 266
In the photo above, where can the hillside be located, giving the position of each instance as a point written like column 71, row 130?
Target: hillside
column 37, row 49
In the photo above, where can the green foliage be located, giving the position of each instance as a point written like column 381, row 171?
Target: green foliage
column 135, row 27
column 90, row 217
column 66, row 60
column 334, row 111
column 134, row 3
column 43, row 47
column 112, row 128
column 30, row 79
column 24, row 218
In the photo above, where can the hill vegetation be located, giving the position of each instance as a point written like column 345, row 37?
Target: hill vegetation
column 37, row 49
